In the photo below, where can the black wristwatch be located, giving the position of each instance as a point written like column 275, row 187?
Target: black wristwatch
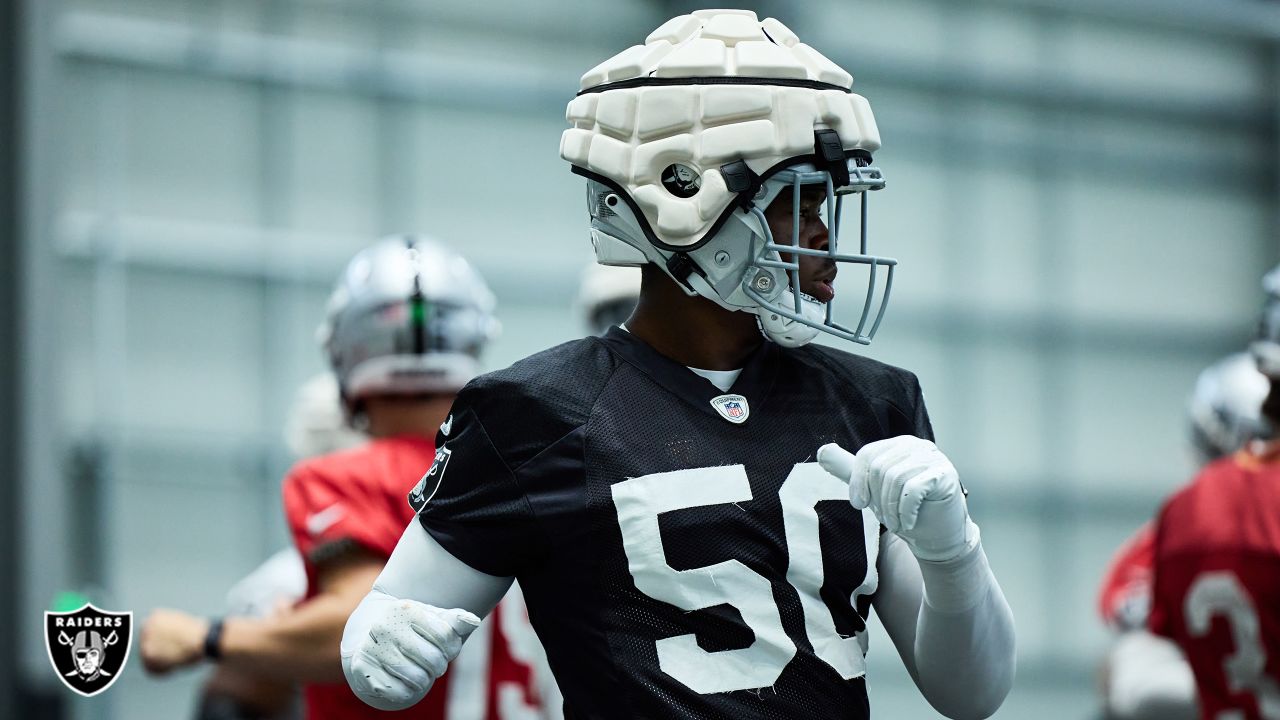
column 213, row 640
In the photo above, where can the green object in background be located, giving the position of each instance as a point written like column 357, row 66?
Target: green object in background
column 68, row 601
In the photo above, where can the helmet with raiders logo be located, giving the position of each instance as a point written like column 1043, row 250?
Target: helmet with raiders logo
column 408, row 317
column 685, row 141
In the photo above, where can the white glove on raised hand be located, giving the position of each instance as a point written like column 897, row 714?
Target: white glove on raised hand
column 393, row 650
column 912, row 488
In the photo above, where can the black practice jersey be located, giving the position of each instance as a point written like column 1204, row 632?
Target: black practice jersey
column 680, row 551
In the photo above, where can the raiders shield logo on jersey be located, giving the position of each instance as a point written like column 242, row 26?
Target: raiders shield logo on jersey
column 427, row 486
column 89, row 647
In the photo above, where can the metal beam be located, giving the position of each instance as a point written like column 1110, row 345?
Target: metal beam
column 42, row 518
column 11, row 68
column 272, row 61
column 507, row 84
column 311, row 259
column 251, row 458
column 1233, row 18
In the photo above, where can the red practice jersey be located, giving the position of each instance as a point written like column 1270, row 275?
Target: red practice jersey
column 358, row 496
column 1216, row 591
column 1125, row 598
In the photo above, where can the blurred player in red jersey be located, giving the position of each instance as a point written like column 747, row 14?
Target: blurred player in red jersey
column 1216, row 589
column 1145, row 676
column 403, row 333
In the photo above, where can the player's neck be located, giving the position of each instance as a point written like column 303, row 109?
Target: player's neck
column 391, row 416
column 691, row 330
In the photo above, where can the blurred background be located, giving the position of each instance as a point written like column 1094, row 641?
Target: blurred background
column 1082, row 194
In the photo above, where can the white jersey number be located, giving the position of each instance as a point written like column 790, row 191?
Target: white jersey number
column 1221, row 594
column 639, row 502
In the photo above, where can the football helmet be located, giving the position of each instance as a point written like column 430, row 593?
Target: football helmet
column 685, row 141
column 408, row 316
column 1225, row 407
column 607, row 295
column 1266, row 347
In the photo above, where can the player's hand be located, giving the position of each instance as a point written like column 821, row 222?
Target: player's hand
column 393, row 650
column 912, row 488
column 171, row 639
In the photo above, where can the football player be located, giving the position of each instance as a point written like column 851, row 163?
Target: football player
column 1145, row 676
column 675, row 497
column 1216, row 588
column 403, row 332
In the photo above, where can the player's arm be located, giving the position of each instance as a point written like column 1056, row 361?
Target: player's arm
column 937, row 597
column 412, row 624
column 961, row 655
column 300, row 645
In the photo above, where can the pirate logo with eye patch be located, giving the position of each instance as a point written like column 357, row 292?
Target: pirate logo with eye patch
column 681, row 180
column 89, row 647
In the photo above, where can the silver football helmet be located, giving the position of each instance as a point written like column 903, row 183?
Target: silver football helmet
column 408, row 317
column 1225, row 408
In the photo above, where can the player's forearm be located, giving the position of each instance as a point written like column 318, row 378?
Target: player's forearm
column 964, row 645
column 301, row 646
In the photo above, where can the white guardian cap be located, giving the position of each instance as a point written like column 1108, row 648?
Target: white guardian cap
column 685, row 141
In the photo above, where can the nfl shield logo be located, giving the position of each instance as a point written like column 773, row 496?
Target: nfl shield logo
column 733, row 408
column 88, row 648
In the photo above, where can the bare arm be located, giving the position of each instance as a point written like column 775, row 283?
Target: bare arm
column 302, row 645
column 951, row 626
column 298, row 645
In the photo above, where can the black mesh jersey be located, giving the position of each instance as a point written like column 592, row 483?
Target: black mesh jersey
column 675, row 563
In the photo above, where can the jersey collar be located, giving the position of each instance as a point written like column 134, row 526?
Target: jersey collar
column 754, row 383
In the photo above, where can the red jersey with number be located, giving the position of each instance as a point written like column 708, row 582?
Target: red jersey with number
column 358, row 497
column 1217, row 583
column 1125, row 599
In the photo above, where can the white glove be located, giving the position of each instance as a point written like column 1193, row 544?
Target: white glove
column 912, row 488
column 393, row 650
